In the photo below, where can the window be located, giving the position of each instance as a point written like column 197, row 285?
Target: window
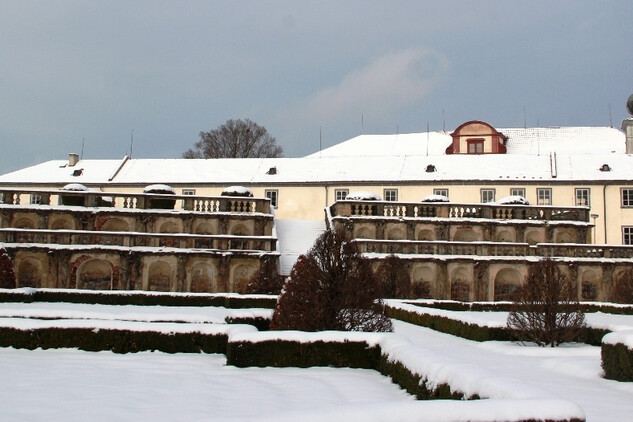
column 475, row 146
column 487, row 195
column 273, row 195
column 582, row 197
column 36, row 198
column 340, row 194
column 443, row 192
column 627, row 235
column 544, row 196
column 627, row 197
column 517, row 192
column 391, row 194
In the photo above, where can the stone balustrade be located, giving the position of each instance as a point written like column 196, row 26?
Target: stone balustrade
column 386, row 209
column 498, row 249
column 145, row 201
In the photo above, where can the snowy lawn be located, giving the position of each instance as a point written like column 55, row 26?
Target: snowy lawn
column 72, row 385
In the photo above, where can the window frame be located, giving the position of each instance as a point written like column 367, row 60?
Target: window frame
column 484, row 191
column 388, row 193
column 186, row 192
column 35, row 199
column 627, row 234
column 441, row 191
column 578, row 199
column 515, row 192
column 628, row 202
column 476, row 144
column 273, row 195
column 541, row 200
column 338, row 192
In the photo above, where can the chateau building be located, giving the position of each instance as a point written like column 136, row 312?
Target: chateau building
column 577, row 180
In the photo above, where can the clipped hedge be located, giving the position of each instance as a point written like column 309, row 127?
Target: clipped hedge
column 138, row 298
column 617, row 362
column 452, row 326
column 118, row 341
column 586, row 307
column 283, row 353
column 261, row 323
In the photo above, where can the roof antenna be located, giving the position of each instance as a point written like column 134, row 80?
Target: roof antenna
column 83, row 142
column 610, row 118
column 131, row 142
column 319, row 142
column 524, row 118
column 362, row 124
column 443, row 122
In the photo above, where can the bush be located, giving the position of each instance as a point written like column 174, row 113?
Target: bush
column 331, row 288
column 393, row 279
column 267, row 281
column 7, row 275
column 547, row 312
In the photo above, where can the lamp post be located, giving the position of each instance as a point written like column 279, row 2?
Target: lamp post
column 594, row 216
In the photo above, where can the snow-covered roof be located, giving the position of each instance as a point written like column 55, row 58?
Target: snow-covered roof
column 580, row 154
column 531, row 141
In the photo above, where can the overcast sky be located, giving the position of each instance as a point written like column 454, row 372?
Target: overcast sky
column 167, row 70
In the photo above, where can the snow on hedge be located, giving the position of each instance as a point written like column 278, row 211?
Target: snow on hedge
column 435, row 198
column 513, row 199
column 237, row 191
column 620, row 337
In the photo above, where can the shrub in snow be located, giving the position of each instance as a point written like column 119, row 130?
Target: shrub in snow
column 7, row 275
column 76, row 200
column 237, row 191
column 159, row 188
column 362, row 196
column 331, row 288
column 623, row 290
column 393, row 278
column 617, row 356
column 435, row 198
column 547, row 312
column 267, row 280
column 512, row 200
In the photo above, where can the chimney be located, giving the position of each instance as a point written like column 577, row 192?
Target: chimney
column 72, row 159
column 627, row 128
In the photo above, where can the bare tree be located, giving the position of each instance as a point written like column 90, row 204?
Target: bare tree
column 267, row 280
column 547, row 312
column 235, row 139
column 393, row 278
column 331, row 288
column 7, row 275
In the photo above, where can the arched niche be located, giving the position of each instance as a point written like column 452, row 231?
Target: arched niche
column 62, row 223
column 95, row 274
column 169, row 227
column 534, row 236
column 364, row 233
column 564, row 236
column 505, row 235
column 24, row 223
column 241, row 276
column 204, row 228
column 159, row 277
column 29, row 273
column 507, row 284
column 460, row 284
column 466, row 235
column 240, row 230
column 423, row 282
column 396, row 233
column 202, row 278
column 426, row 234
column 589, row 285
column 116, row 225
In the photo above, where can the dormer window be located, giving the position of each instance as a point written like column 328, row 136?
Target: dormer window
column 430, row 168
column 475, row 146
column 605, row 167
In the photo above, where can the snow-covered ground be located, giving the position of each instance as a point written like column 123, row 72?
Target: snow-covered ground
column 71, row 385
